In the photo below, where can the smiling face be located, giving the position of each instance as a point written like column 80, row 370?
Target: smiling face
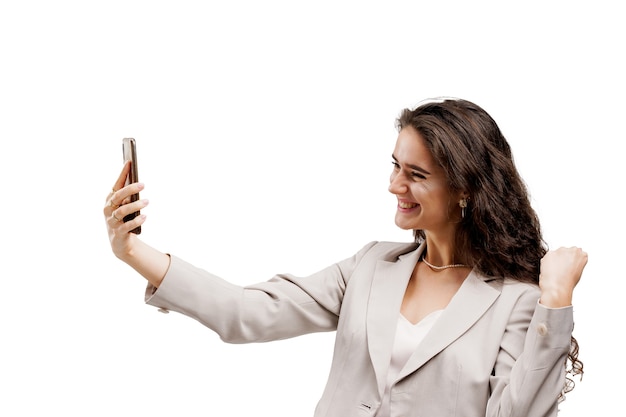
column 425, row 201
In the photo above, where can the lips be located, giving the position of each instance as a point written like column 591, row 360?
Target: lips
column 407, row 205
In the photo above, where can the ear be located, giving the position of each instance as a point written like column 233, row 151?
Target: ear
column 463, row 195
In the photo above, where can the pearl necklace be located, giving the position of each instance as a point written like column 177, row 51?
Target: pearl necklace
column 441, row 268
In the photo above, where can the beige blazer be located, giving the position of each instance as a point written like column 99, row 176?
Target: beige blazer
column 494, row 351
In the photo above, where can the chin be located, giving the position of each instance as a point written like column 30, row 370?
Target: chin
column 404, row 225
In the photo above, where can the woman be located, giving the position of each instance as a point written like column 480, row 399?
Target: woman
column 472, row 319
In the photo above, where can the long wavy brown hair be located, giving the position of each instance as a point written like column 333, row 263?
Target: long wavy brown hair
column 500, row 234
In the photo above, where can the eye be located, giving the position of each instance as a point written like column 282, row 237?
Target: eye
column 418, row 175
column 395, row 165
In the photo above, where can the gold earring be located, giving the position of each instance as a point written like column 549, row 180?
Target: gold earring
column 463, row 205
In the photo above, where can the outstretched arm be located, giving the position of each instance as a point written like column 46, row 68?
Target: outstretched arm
column 149, row 262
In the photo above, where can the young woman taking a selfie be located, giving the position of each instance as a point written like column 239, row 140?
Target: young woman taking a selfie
column 472, row 317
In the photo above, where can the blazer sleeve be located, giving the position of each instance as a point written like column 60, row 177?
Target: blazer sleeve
column 528, row 382
column 283, row 307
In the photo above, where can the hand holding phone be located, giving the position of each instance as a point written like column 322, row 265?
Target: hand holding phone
column 129, row 148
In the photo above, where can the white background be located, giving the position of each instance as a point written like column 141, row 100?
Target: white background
column 264, row 133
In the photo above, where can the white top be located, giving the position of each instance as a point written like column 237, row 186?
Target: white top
column 408, row 337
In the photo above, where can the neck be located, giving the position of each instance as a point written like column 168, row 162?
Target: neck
column 439, row 252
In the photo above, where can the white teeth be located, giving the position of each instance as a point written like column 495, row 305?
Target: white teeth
column 406, row 205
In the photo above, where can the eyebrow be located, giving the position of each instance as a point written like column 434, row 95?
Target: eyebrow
column 414, row 167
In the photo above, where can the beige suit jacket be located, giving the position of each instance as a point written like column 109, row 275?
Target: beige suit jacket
column 494, row 351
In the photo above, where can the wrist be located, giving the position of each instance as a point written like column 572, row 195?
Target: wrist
column 556, row 298
column 149, row 262
column 128, row 251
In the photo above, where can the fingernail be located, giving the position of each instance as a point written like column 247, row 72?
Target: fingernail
column 140, row 185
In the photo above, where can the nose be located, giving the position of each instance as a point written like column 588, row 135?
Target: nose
column 396, row 184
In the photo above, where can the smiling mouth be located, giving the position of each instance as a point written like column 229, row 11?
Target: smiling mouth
column 406, row 205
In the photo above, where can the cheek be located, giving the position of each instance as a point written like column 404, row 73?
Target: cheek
column 436, row 196
column 422, row 190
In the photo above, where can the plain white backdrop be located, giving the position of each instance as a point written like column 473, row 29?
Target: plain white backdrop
column 264, row 133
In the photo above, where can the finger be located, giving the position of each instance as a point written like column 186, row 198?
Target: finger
column 119, row 183
column 122, row 196
column 121, row 180
column 113, row 225
column 115, row 218
column 114, row 221
column 127, row 209
column 126, row 227
column 110, row 205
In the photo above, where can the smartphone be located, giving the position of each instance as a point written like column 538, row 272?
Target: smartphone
column 129, row 148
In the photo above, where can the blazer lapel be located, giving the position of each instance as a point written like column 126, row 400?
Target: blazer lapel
column 388, row 287
column 470, row 302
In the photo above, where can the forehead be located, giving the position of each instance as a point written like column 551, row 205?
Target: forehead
column 411, row 149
